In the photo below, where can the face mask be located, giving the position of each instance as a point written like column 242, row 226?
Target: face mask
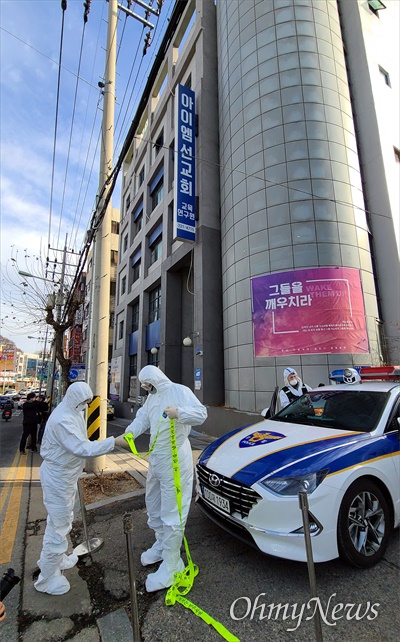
column 82, row 405
column 149, row 388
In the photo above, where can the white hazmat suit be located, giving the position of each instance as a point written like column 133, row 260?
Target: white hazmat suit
column 293, row 388
column 176, row 402
column 64, row 448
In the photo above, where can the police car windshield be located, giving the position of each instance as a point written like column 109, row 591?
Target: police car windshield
column 357, row 410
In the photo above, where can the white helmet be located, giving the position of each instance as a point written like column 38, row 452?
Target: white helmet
column 350, row 375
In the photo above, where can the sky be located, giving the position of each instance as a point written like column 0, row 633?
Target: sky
column 49, row 176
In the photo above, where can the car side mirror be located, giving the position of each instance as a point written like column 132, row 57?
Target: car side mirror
column 266, row 413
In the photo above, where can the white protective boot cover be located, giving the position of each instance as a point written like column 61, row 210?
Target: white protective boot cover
column 69, row 561
column 164, row 577
column 56, row 584
column 152, row 555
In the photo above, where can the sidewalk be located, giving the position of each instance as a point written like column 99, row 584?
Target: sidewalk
column 46, row 618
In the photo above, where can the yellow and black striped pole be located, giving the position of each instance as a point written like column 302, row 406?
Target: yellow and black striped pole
column 93, row 419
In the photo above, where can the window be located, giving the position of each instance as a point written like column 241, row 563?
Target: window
column 156, row 188
column 155, row 244
column 136, row 260
column 385, row 74
column 138, row 224
column 159, row 143
column 121, row 330
column 135, row 317
column 136, row 271
column 137, row 218
column 114, row 227
column 158, row 194
column 141, row 176
column 125, row 246
column 154, row 304
column 396, row 154
column 133, row 365
column 127, row 203
column 114, row 257
column 123, row 285
column 375, row 6
column 156, row 250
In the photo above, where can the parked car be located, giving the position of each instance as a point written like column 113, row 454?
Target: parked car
column 110, row 410
column 12, row 393
column 4, row 399
column 338, row 444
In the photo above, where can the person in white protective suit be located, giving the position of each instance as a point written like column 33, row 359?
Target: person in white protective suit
column 176, row 402
column 293, row 388
column 64, row 448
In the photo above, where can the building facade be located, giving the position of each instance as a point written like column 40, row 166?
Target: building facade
column 296, row 257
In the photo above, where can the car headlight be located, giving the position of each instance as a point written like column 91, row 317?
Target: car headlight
column 294, row 485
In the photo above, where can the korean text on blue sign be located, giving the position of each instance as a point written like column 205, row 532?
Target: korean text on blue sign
column 184, row 179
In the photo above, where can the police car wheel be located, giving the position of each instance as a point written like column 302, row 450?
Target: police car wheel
column 364, row 524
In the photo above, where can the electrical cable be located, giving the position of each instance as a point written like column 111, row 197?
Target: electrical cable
column 70, row 134
column 63, row 7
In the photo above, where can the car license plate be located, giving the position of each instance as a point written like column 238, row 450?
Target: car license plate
column 217, row 500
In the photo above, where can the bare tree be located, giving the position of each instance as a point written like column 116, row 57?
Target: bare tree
column 38, row 300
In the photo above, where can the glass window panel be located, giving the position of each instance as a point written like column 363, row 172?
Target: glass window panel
column 288, row 61
column 327, row 232
column 305, row 255
column 318, row 149
column 270, row 101
column 321, row 169
column 298, row 170
column 287, row 45
column 278, row 215
column 311, row 76
column 279, row 236
column 306, row 43
column 293, row 113
column 303, row 232
column 301, row 211
column 297, row 150
column 325, row 210
column 290, row 78
column 295, row 131
column 312, row 94
column 272, row 137
column 274, row 155
column 277, row 195
column 292, row 95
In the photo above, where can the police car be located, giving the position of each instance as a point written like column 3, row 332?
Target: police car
column 340, row 445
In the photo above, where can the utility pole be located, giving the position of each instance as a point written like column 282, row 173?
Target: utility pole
column 99, row 338
column 100, row 300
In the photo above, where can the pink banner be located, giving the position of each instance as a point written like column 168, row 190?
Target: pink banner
column 311, row 311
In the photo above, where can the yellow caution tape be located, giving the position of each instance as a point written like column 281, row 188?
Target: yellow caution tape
column 183, row 581
column 131, row 443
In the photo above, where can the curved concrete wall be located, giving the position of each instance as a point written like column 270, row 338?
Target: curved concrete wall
column 291, row 193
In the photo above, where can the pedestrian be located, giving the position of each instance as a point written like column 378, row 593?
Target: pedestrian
column 64, row 448
column 293, row 388
column 44, row 414
column 30, row 422
column 166, row 400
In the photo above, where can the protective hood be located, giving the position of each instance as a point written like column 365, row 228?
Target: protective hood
column 287, row 372
column 76, row 394
column 155, row 376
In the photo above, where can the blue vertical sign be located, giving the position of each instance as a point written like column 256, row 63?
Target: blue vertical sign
column 184, row 178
